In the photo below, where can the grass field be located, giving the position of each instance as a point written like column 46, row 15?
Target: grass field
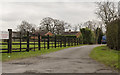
column 106, row 56
column 31, row 53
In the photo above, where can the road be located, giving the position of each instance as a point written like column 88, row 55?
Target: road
column 70, row 60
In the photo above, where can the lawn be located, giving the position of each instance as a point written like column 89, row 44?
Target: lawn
column 20, row 55
column 107, row 56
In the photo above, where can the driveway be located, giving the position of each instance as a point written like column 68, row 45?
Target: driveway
column 70, row 60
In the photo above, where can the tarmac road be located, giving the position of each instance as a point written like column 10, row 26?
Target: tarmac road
column 70, row 60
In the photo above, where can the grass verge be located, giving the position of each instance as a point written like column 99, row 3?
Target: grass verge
column 21, row 55
column 107, row 56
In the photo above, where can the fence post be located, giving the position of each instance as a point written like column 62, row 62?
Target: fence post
column 44, row 43
column 60, row 41
column 10, row 41
column 64, row 41
column 48, row 42
column 78, row 41
column 39, row 41
column 74, row 41
column 68, row 41
column 27, row 42
column 8, row 45
column 71, row 41
column 34, row 41
column 55, row 41
column 20, row 41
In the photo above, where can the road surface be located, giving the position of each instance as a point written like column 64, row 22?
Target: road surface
column 71, row 60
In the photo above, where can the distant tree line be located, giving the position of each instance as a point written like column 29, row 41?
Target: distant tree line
column 47, row 24
column 91, row 32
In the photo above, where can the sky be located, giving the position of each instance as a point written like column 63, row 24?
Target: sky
column 13, row 13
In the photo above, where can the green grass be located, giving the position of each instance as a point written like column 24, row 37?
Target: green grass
column 21, row 55
column 106, row 56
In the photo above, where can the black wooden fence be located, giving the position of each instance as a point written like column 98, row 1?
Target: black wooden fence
column 35, row 42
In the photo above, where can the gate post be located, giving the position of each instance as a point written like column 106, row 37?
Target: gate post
column 10, row 41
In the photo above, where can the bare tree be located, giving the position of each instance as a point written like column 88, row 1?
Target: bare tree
column 25, row 26
column 53, row 25
column 46, row 24
column 59, row 26
column 107, row 11
column 91, row 25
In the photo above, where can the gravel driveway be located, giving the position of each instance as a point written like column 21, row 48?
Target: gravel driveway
column 70, row 60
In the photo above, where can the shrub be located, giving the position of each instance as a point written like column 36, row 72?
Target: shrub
column 88, row 36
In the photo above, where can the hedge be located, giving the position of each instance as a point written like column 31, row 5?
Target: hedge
column 113, row 34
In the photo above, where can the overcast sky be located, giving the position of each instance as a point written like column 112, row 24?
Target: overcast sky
column 12, row 12
column 72, row 12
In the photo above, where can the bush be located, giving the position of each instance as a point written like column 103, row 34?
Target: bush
column 81, row 38
column 69, row 36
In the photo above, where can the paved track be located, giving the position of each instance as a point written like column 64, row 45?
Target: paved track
column 71, row 60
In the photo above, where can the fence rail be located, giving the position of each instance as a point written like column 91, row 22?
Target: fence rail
column 36, row 42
